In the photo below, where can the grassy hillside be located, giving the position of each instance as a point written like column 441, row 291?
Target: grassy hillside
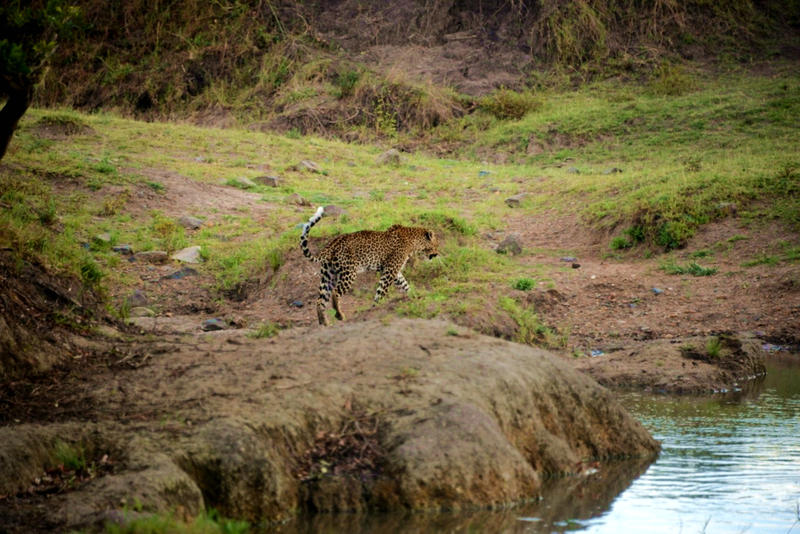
column 723, row 145
column 306, row 65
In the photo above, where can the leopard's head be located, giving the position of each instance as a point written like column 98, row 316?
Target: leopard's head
column 430, row 244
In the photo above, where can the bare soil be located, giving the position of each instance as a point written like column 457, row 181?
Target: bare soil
column 402, row 414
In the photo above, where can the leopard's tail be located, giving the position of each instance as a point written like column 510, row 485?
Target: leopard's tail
column 304, row 237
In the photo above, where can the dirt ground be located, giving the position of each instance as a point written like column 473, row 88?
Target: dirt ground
column 605, row 306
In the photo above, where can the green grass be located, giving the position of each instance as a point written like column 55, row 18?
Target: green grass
column 531, row 329
column 266, row 329
column 686, row 157
column 731, row 139
column 524, row 284
column 72, row 457
column 209, row 522
column 714, row 347
column 692, row 268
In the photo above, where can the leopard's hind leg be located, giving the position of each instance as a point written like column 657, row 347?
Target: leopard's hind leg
column 326, row 286
column 342, row 286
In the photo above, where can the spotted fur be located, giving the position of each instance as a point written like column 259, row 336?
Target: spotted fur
column 349, row 254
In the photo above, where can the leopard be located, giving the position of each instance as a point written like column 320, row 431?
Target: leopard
column 347, row 255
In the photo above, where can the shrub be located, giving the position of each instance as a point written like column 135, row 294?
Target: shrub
column 507, row 104
column 672, row 80
column 524, row 284
column 620, row 242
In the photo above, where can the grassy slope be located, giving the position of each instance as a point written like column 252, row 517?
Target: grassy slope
column 732, row 138
column 727, row 139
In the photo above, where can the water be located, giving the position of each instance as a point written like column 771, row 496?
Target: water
column 728, row 464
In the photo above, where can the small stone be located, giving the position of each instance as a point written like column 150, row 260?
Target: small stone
column 141, row 311
column 657, row 291
column 271, row 181
column 612, row 170
column 214, row 324
column 296, row 199
column 152, row 256
column 296, row 303
column 573, row 170
column 390, row 157
column 103, row 238
column 516, row 200
column 137, row 298
column 125, row 250
column 245, row 182
column 183, row 272
column 484, row 173
column 509, row 245
column 596, row 352
column 568, row 259
column 190, row 223
column 333, row 211
column 308, row 166
column 576, row 265
column 188, row 255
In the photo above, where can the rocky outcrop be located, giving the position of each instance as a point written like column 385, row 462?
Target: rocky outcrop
column 411, row 414
column 695, row 365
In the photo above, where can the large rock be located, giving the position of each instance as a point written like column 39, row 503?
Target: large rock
column 411, row 414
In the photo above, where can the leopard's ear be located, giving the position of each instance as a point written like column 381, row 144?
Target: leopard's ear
column 393, row 227
column 428, row 235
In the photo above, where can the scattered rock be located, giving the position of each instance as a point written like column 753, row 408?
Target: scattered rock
column 510, row 245
column 141, row 311
column 576, row 265
column 210, row 325
column 296, row 199
column 483, row 173
column 188, row 255
column 516, row 200
column 573, row 170
column 569, row 259
column 333, row 211
column 271, row 181
column 308, row 166
column 137, row 298
column 125, row 250
column 296, row 303
column 190, row 223
column 594, row 353
column 152, row 256
column 612, row 170
column 183, row 272
column 104, row 238
column 390, row 157
column 657, row 291
column 245, row 182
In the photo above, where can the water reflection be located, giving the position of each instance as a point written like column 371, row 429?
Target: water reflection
column 566, row 502
column 729, row 464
